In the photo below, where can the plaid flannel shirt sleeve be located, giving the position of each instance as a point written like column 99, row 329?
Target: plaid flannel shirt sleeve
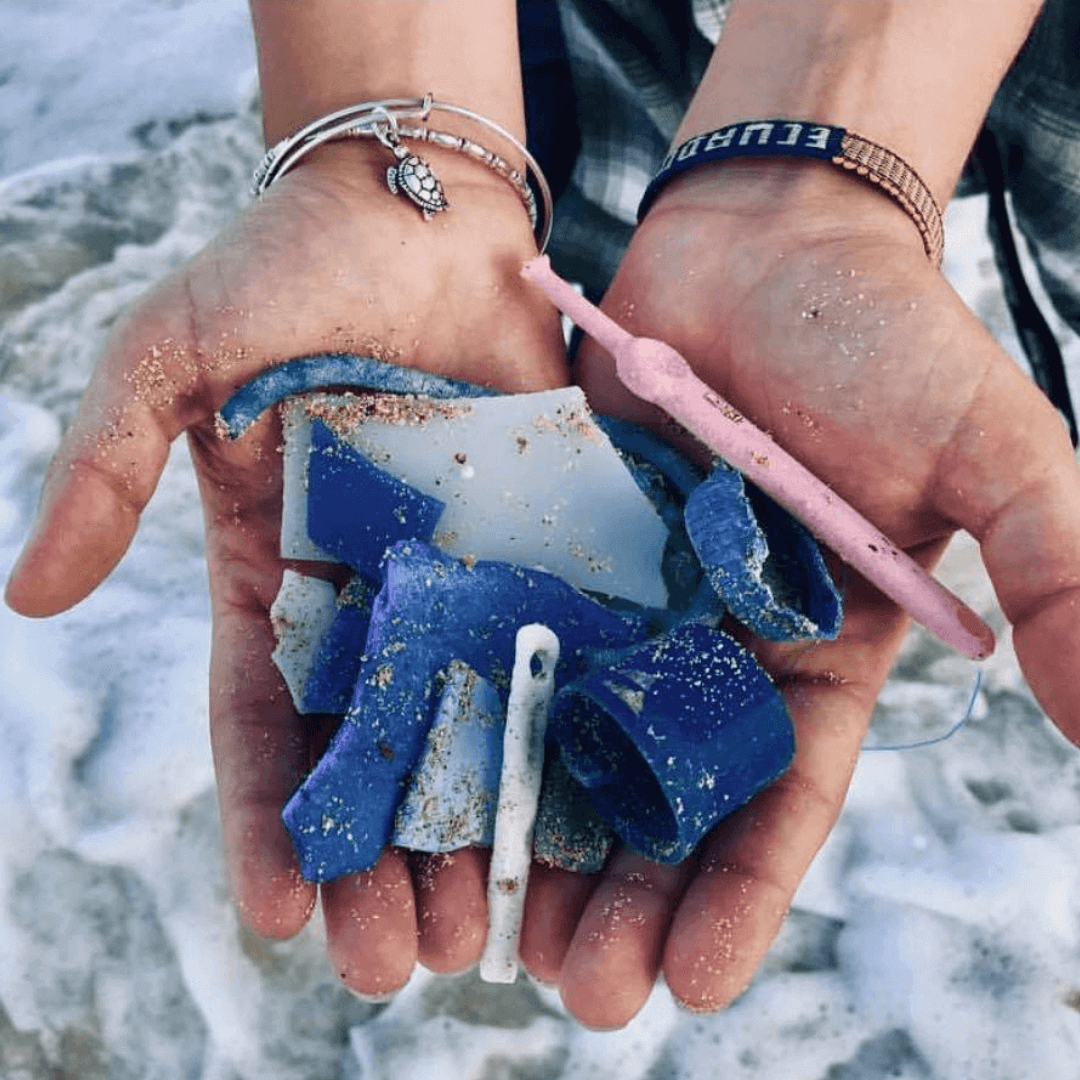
column 1036, row 117
column 635, row 65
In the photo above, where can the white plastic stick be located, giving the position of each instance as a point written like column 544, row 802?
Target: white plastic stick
column 536, row 647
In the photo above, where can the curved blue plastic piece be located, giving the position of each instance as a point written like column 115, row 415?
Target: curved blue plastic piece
column 431, row 609
column 678, row 734
column 764, row 565
column 332, row 370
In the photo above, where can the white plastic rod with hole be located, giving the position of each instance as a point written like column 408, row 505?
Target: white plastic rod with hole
column 532, row 686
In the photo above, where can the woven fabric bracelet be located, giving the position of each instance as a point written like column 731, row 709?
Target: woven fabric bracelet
column 826, row 142
column 412, row 176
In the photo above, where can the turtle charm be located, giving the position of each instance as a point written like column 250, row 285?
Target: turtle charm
column 412, row 176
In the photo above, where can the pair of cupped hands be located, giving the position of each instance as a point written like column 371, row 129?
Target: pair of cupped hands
column 800, row 294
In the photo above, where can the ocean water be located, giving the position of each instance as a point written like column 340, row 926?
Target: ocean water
column 937, row 936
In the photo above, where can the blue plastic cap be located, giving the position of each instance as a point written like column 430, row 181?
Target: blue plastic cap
column 679, row 733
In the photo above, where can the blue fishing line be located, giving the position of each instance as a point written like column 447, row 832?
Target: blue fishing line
column 948, row 734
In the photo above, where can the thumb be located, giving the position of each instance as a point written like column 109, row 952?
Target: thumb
column 107, row 465
column 1010, row 478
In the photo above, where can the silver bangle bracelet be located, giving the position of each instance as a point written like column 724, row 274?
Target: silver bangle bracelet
column 411, row 176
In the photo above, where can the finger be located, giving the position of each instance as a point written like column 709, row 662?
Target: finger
column 752, row 862
column 1010, row 478
column 451, row 907
column 614, row 957
column 553, row 904
column 145, row 388
column 262, row 749
column 371, row 926
column 261, row 753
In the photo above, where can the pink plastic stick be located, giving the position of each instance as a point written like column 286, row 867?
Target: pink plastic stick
column 657, row 373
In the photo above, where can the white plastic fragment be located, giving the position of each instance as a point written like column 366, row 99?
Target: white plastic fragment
column 528, row 479
column 300, row 615
column 295, row 542
column 532, row 686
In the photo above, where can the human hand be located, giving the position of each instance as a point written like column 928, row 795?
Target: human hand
column 804, row 297
column 327, row 260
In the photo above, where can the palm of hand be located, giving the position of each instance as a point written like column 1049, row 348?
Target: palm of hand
column 327, row 261
column 861, row 362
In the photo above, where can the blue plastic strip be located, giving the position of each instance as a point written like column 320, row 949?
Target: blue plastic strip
column 328, row 371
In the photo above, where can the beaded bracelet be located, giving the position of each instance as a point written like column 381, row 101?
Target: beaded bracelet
column 825, row 142
column 411, row 176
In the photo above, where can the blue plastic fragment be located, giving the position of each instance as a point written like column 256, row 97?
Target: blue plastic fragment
column 685, row 729
column 355, row 510
column 568, row 832
column 333, row 369
column 764, row 565
column 430, row 609
column 453, row 792
column 662, row 737
column 332, row 679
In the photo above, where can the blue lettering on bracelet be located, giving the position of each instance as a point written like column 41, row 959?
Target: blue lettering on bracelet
column 751, row 138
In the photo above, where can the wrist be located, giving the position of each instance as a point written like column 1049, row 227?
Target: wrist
column 322, row 55
column 354, row 172
column 796, row 201
column 915, row 76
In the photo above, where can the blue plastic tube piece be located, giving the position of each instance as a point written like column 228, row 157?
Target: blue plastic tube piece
column 764, row 565
column 355, row 510
column 431, row 609
column 678, row 734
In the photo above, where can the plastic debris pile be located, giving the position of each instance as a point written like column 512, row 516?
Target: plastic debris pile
column 464, row 516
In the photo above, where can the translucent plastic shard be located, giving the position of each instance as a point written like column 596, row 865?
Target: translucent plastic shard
column 568, row 831
column 528, row 479
column 300, row 616
column 451, row 797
